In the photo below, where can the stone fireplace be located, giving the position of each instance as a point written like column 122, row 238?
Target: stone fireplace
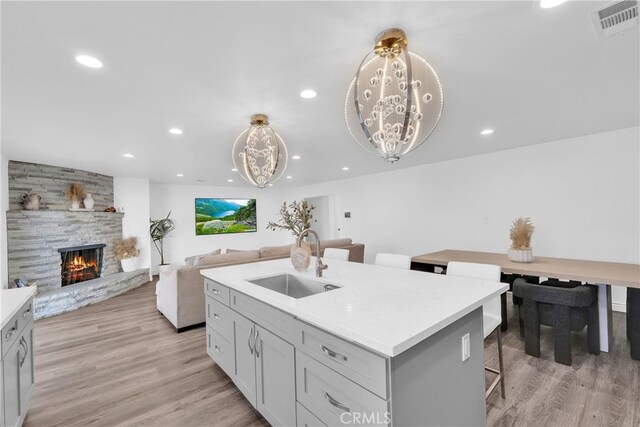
column 80, row 263
column 67, row 254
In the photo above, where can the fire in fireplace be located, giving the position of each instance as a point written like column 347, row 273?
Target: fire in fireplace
column 81, row 263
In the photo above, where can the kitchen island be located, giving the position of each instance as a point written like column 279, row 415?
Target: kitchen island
column 380, row 346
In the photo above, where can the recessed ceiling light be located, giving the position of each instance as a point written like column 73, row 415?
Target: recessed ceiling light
column 289, row 177
column 179, row 175
column 234, row 170
column 89, row 61
column 486, row 132
column 296, row 157
column 270, row 185
column 308, row 93
column 546, row 4
column 346, row 168
column 175, row 131
column 128, row 156
column 229, row 180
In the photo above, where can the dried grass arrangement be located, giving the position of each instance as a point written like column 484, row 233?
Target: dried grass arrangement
column 125, row 248
column 520, row 233
column 75, row 192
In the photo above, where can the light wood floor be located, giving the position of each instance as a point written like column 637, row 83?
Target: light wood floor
column 120, row 362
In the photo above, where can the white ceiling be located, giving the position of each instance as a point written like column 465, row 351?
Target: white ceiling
column 534, row 75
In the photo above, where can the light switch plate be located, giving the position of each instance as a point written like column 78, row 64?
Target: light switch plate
column 466, row 347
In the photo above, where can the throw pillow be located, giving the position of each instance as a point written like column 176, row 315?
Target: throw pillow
column 191, row 261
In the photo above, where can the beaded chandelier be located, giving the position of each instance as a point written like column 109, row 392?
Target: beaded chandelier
column 395, row 99
column 259, row 154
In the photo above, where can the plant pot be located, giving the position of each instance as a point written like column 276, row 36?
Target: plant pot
column 75, row 204
column 520, row 255
column 162, row 268
column 129, row 264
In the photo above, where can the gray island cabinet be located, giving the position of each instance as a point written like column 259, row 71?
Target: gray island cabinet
column 300, row 369
column 17, row 370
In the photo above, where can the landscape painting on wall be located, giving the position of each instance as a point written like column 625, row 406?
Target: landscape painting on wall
column 224, row 216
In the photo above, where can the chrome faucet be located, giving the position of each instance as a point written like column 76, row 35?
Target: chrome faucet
column 319, row 264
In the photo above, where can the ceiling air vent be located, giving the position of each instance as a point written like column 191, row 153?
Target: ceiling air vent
column 614, row 18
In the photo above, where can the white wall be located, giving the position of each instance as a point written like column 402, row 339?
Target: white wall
column 4, row 205
column 183, row 242
column 582, row 194
column 131, row 196
column 321, row 216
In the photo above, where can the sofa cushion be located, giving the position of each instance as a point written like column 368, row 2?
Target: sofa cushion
column 335, row 243
column 226, row 258
column 231, row 251
column 270, row 251
column 191, row 260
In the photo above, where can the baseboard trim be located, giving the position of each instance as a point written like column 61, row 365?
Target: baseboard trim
column 619, row 306
column 187, row 328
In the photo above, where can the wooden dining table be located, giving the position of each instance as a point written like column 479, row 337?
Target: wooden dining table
column 603, row 274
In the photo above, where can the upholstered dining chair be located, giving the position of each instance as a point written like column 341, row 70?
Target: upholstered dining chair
column 633, row 321
column 565, row 306
column 393, row 260
column 336, row 253
column 491, row 311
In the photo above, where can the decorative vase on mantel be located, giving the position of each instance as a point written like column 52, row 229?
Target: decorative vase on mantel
column 520, row 255
column 88, row 202
column 75, row 205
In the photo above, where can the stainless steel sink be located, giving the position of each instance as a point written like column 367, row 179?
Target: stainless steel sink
column 293, row 286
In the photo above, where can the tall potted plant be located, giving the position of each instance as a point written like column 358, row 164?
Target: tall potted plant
column 158, row 230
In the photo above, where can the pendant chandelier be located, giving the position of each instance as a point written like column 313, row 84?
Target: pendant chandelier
column 395, row 99
column 259, row 154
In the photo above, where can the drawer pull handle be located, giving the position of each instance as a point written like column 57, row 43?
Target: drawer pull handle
column 255, row 343
column 215, row 316
column 249, row 340
column 336, row 403
column 11, row 331
column 217, row 348
column 27, row 311
column 216, row 292
column 333, row 354
column 23, row 343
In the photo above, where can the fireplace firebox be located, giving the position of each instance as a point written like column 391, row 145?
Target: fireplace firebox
column 81, row 263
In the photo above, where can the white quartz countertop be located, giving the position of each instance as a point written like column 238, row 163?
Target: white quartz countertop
column 386, row 309
column 11, row 300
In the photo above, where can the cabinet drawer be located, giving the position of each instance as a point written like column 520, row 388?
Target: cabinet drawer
column 219, row 318
column 10, row 334
column 217, row 291
column 304, row 418
column 278, row 322
column 221, row 351
column 12, row 330
column 334, row 399
column 361, row 366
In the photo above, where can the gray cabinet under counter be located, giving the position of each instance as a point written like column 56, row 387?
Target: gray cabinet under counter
column 17, row 369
